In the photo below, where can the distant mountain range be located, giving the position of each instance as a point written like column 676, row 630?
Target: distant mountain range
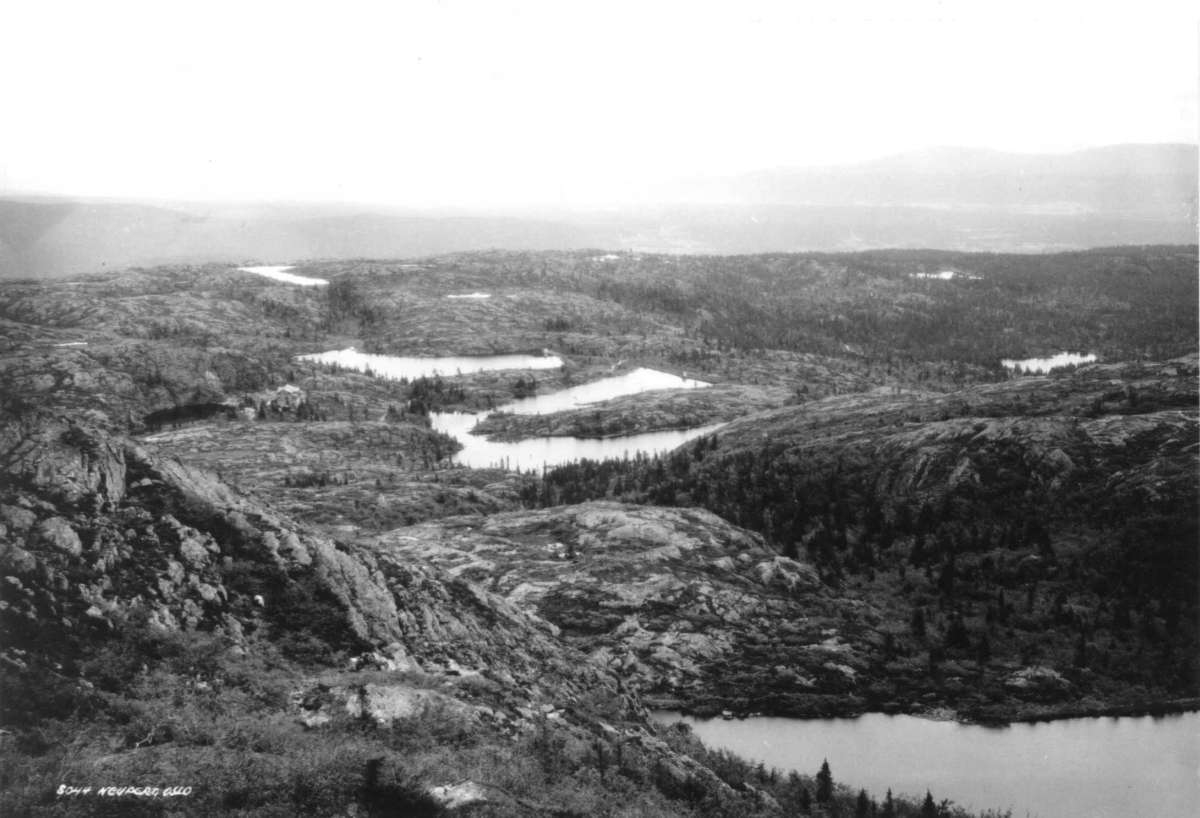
column 951, row 198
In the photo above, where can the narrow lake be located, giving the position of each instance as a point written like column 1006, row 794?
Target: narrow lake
column 534, row 453
column 1044, row 365
column 631, row 383
column 538, row 452
column 281, row 274
column 399, row 366
column 1073, row 768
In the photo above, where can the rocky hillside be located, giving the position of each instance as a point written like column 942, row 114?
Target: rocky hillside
column 230, row 568
column 198, row 638
column 1043, row 522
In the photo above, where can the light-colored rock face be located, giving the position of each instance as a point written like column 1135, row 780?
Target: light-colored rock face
column 456, row 796
column 670, row 598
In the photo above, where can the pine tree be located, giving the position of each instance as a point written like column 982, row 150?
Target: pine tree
column 805, row 801
column 889, row 806
column 824, row 783
column 862, row 807
column 928, row 808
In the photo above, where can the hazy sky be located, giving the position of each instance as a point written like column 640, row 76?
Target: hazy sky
column 420, row 102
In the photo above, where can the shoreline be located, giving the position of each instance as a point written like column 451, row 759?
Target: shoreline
column 1172, row 707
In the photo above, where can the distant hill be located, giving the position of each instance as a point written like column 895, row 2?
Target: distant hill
column 1150, row 180
column 948, row 198
column 50, row 238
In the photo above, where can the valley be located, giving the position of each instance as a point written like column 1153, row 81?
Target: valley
column 804, row 485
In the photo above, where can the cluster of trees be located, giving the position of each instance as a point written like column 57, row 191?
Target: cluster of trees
column 427, row 395
column 176, row 416
column 524, row 386
column 816, row 795
column 346, row 300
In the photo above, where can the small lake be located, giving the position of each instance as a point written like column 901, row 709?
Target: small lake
column 397, row 366
column 1044, row 365
column 281, row 274
column 1073, row 768
column 535, row 453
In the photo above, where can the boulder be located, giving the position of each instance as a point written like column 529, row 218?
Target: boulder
column 17, row 561
column 18, row 519
column 455, row 796
column 193, row 550
column 1038, row 682
column 56, row 533
column 386, row 704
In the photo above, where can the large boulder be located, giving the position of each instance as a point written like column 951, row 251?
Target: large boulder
column 56, row 534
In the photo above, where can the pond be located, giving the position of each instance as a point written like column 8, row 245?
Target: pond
column 536, row 453
column 1073, row 768
column 281, row 274
column 397, row 366
column 1043, row 365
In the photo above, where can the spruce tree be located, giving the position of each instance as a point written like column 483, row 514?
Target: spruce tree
column 824, row 783
column 862, row 808
column 928, row 808
column 889, row 806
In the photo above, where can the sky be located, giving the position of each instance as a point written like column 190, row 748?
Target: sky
column 467, row 103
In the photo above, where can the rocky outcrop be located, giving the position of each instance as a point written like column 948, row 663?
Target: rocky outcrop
column 672, row 600
column 116, row 533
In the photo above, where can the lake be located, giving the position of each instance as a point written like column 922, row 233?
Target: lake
column 1044, row 365
column 281, row 274
column 1073, row 768
column 399, row 366
column 533, row 453
column 536, row 452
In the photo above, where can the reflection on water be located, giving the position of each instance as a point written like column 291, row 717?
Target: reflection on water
column 1047, row 364
column 1074, row 768
column 398, row 366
